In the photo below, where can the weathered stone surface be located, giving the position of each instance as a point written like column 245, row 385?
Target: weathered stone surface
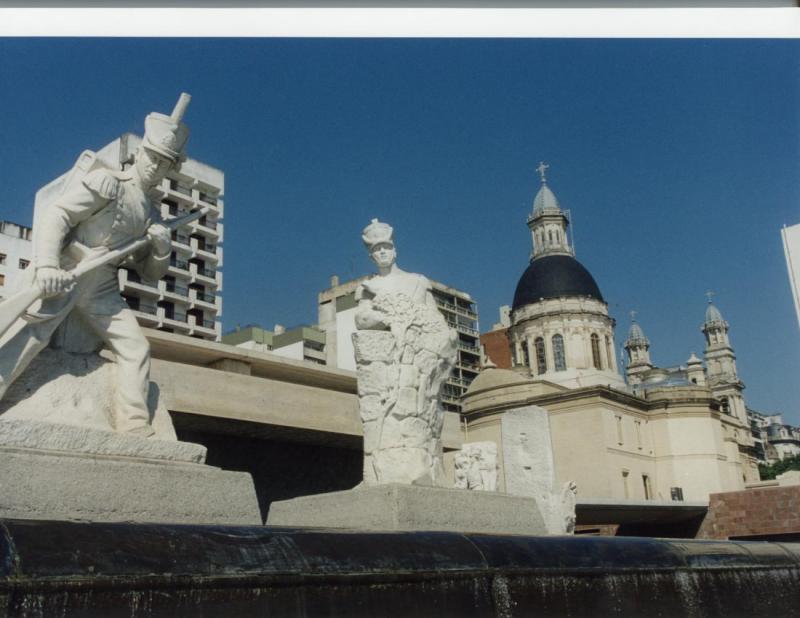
column 75, row 389
column 71, row 439
column 376, row 346
column 406, row 507
column 529, row 469
column 527, row 451
column 39, row 485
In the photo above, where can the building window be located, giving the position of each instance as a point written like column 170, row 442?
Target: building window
column 648, row 492
column 558, row 353
column 596, row 351
column 725, row 405
column 541, row 360
column 2, row 258
column 526, row 355
column 2, row 279
column 619, row 429
column 23, row 264
column 638, row 425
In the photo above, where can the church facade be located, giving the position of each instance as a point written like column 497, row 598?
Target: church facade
column 678, row 433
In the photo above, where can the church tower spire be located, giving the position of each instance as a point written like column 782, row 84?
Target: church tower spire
column 720, row 359
column 638, row 348
column 721, row 364
column 548, row 223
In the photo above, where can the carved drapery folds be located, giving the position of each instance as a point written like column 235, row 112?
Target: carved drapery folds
column 400, row 373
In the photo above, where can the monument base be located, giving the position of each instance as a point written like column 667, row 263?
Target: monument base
column 411, row 508
column 59, row 472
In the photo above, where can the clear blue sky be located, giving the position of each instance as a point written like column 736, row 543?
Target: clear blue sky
column 678, row 159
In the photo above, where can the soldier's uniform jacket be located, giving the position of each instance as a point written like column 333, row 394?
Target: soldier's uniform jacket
column 105, row 209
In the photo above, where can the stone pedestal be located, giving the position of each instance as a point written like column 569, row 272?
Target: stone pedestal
column 412, row 508
column 63, row 472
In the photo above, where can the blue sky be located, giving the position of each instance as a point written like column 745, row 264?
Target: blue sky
column 678, row 160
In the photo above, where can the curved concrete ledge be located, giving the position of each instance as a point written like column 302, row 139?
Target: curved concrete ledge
column 154, row 570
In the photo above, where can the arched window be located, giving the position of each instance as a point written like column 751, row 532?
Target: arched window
column 526, row 357
column 550, row 236
column 541, row 360
column 725, row 405
column 596, row 351
column 558, row 353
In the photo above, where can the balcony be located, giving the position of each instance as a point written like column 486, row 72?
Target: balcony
column 204, row 299
column 140, row 286
column 207, row 250
column 182, row 242
column 175, row 289
column 463, row 329
column 469, row 348
column 206, row 228
column 179, row 264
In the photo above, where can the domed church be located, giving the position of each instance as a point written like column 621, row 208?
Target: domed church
column 560, row 327
column 551, row 384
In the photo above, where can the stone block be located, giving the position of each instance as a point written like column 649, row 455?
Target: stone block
column 527, row 452
column 77, row 487
column 408, row 508
column 54, row 437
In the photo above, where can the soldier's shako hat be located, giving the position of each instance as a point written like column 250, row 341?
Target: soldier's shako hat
column 377, row 232
column 167, row 135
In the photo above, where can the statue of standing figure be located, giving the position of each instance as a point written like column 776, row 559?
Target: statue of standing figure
column 404, row 353
column 100, row 212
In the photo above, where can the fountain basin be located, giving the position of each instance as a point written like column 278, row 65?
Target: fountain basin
column 143, row 570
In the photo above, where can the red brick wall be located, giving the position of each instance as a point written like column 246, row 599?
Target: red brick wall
column 495, row 342
column 752, row 512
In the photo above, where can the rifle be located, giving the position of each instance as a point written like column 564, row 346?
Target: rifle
column 12, row 308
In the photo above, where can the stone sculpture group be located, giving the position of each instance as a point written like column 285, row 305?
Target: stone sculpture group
column 93, row 404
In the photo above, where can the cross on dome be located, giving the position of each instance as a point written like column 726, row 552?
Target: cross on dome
column 633, row 315
column 709, row 294
column 543, row 167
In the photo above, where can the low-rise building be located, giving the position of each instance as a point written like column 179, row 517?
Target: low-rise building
column 774, row 440
column 300, row 342
column 15, row 256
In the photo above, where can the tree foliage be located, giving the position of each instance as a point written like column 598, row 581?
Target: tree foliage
column 770, row 471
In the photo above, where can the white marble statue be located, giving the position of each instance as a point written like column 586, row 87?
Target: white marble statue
column 99, row 212
column 404, row 353
column 476, row 466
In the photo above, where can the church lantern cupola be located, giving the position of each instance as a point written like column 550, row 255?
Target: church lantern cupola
column 548, row 223
column 638, row 348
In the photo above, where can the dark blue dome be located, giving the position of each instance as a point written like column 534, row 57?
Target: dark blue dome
column 553, row 276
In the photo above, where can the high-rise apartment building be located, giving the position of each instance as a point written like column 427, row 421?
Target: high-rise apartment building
column 187, row 299
column 15, row 256
column 336, row 314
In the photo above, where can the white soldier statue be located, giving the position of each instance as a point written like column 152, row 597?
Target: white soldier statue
column 104, row 217
column 404, row 353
